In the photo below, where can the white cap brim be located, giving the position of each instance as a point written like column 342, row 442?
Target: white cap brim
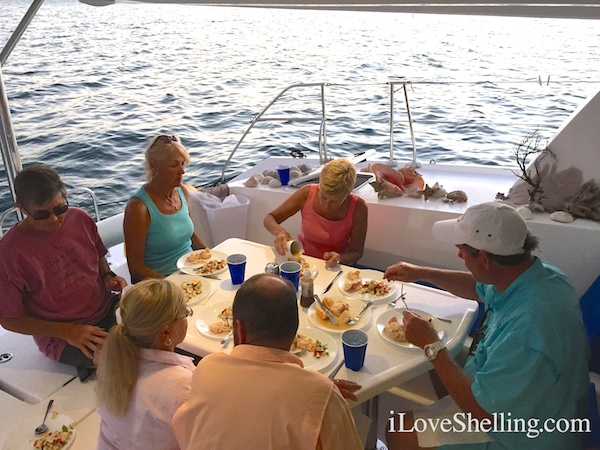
column 448, row 231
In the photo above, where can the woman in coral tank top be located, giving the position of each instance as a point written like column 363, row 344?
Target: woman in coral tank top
column 334, row 220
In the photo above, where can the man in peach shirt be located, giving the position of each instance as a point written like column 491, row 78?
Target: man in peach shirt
column 260, row 396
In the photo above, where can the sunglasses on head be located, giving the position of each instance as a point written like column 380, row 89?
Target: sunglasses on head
column 165, row 139
column 189, row 312
column 45, row 214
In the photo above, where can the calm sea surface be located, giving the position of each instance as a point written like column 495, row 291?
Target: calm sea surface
column 87, row 86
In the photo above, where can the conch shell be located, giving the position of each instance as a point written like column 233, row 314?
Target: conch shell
column 390, row 182
column 435, row 191
column 384, row 188
column 253, row 180
column 456, row 196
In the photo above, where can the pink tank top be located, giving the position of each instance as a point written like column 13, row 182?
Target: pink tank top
column 318, row 234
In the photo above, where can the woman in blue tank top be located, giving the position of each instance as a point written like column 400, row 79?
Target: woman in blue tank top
column 157, row 226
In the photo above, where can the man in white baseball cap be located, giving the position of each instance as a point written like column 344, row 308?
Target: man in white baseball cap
column 528, row 360
column 493, row 227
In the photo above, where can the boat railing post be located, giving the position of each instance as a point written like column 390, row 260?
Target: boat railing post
column 16, row 35
column 5, row 214
column 414, row 163
column 8, row 144
column 392, row 87
column 323, row 128
column 94, row 199
column 259, row 118
column 252, row 123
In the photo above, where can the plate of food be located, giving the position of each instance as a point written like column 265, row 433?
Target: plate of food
column 61, row 433
column 215, row 320
column 203, row 262
column 390, row 328
column 343, row 309
column 194, row 287
column 366, row 285
column 315, row 348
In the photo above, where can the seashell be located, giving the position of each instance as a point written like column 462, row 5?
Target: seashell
column 266, row 180
column 414, row 193
column 562, row 216
column 304, row 168
column 271, row 173
column 435, row 191
column 251, row 182
column 457, row 196
column 536, row 207
column 295, row 173
column 525, row 212
column 275, row 183
column 384, row 188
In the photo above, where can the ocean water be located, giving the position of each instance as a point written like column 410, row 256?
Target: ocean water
column 88, row 86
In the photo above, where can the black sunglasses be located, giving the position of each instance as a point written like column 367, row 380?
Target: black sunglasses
column 479, row 333
column 45, row 214
column 165, row 139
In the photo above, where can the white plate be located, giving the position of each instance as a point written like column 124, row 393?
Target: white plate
column 324, row 362
column 383, row 319
column 178, row 279
column 355, row 305
column 191, row 269
column 23, row 437
column 368, row 275
column 209, row 314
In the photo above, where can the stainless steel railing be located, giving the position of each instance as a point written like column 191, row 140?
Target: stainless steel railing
column 15, row 210
column 322, row 118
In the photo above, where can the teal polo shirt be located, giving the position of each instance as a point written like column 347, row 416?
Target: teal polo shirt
column 532, row 362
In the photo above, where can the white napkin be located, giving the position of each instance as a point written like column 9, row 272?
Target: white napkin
column 231, row 200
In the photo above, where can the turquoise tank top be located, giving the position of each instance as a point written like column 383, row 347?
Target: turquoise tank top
column 169, row 235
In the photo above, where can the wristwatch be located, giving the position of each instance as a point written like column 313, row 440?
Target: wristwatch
column 432, row 350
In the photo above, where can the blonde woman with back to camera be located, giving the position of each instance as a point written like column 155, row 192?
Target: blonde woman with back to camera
column 157, row 226
column 334, row 220
column 141, row 380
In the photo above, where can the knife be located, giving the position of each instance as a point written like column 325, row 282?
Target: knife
column 211, row 276
column 336, row 370
column 331, row 316
column 332, row 281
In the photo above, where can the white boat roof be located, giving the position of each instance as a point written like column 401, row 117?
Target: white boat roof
column 536, row 8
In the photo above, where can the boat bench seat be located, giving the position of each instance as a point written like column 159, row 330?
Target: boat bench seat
column 28, row 375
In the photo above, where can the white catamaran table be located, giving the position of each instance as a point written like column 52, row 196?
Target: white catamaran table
column 386, row 365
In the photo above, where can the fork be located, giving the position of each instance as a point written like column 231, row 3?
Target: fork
column 225, row 340
column 402, row 295
column 392, row 304
column 357, row 317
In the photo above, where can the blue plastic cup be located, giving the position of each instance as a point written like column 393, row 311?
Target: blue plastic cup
column 284, row 174
column 354, row 343
column 237, row 268
column 290, row 270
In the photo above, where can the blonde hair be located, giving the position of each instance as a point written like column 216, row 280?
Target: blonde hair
column 338, row 176
column 157, row 151
column 145, row 309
